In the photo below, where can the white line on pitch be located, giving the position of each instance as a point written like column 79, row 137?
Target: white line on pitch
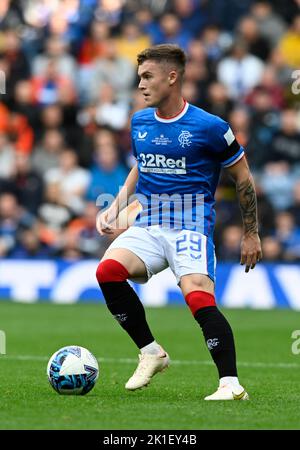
column 173, row 361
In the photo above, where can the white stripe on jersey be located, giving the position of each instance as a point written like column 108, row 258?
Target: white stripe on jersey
column 235, row 160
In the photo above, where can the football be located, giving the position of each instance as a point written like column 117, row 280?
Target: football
column 72, row 370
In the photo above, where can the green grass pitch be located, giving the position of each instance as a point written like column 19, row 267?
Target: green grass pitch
column 174, row 400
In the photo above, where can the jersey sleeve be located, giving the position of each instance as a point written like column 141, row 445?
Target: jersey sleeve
column 223, row 143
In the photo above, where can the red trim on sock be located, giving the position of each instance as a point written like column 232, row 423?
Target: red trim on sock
column 199, row 299
column 111, row 270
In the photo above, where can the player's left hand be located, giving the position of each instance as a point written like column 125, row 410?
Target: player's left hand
column 251, row 251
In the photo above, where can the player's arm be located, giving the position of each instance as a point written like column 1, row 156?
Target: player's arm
column 106, row 221
column 250, row 246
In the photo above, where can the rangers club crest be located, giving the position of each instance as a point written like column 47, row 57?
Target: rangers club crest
column 184, row 138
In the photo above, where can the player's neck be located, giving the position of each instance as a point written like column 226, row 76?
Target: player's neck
column 171, row 108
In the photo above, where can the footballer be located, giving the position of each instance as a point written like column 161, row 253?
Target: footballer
column 180, row 150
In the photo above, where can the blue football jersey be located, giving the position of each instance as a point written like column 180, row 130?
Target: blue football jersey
column 179, row 162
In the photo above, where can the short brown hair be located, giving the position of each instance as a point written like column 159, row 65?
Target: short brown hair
column 165, row 53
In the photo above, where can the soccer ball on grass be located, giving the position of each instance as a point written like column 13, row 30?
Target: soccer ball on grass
column 72, row 370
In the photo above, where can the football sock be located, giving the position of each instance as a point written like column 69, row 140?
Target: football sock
column 216, row 331
column 123, row 302
column 233, row 381
column 219, row 339
column 152, row 349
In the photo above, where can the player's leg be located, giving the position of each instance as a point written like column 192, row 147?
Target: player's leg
column 198, row 291
column 117, row 266
column 191, row 257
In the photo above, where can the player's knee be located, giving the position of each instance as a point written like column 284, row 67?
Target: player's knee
column 197, row 300
column 111, row 270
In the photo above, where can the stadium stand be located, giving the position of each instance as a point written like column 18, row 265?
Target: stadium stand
column 71, row 90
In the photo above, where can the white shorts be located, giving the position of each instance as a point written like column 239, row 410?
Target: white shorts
column 184, row 251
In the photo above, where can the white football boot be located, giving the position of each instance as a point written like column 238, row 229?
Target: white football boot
column 228, row 392
column 148, row 366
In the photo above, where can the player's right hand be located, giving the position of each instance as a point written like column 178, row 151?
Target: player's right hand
column 104, row 221
column 113, row 222
column 251, row 252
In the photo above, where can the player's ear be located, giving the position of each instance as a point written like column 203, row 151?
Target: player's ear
column 172, row 77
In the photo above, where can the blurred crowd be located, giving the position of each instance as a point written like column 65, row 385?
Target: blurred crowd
column 70, row 89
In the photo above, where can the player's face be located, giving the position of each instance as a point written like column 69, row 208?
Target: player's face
column 154, row 82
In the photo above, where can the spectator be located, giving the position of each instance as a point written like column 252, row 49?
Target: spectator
column 28, row 246
column 231, row 243
column 68, row 248
column 288, row 234
column 89, row 241
column 264, row 123
column 172, row 32
column 290, row 44
column 219, row 12
column 286, row 10
column 240, row 71
column 18, row 66
column 20, row 132
column 47, row 153
column 214, row 44
column 145, row 18
column 7, row 158
column 218, row 101
column 282, row 70
column 196, row 52
column 61, row 117
column 286, row 142
column 277, row 182
column 17, row 129
column 270, row 86
column 265, row 212
column 272, row 249
column 193, row 15
column 53, row 217
column 198, row 75
column 107, row 172
column 13, row 219
column 68, row 21
column 109, row 12
column 71, row 179
column 94, row 45
column 56, row 50
column 27, row 184
column 248, row 31
column 239, row 119
column 10, row 15
column 52, row 117
column 132, row 41
column 270, row 25
column 93, row 48
column 23, row 103
column 190, row 92
column 50, row 86
column 108, row 70
column 109, row 111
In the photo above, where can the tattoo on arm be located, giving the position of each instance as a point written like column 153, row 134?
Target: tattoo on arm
column 247, row 199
